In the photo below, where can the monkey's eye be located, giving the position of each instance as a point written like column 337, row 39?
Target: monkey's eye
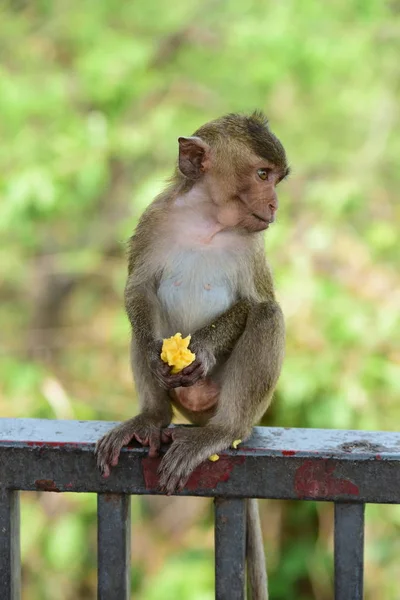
column 263, row 173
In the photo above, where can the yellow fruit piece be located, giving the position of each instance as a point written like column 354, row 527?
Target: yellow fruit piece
column 213, row 457
column 176, row 353
column 236, row 443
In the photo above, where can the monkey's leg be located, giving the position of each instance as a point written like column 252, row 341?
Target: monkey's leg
column 146, row 428
column 249, row 378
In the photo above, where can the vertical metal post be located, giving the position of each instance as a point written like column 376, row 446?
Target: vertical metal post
column 113, row 546
column 10, row 562
column 349, row 550
column 230, row 549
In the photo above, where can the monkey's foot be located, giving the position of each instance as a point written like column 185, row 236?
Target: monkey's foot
column 189, row 449
column 140, row 428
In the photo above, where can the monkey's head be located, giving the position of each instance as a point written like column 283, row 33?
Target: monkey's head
column 240, row 162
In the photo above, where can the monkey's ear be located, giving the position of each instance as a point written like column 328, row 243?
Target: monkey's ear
column 194, row 156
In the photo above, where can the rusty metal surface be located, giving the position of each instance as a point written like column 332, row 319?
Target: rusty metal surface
column 39, row 454
column 349, row 551
column 114, row 546
column 230, row 547
column 347, row 467
column 10, row 562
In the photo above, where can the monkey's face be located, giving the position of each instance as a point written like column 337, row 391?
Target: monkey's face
column 240, row 162
column 244, row 191
column 256, row 192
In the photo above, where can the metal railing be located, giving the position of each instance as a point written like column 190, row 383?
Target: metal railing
column 349, row 468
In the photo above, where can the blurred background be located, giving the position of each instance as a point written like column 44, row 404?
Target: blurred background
column 93, row 96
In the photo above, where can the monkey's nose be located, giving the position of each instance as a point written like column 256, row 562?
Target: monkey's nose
column 273, row 208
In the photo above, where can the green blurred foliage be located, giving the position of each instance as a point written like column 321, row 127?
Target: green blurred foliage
column 93, row 96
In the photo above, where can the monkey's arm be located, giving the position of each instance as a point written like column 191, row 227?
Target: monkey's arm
column 220, row 336
column 142, row 304
column 150, row 375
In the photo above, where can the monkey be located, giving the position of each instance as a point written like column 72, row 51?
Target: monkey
column 197, row 265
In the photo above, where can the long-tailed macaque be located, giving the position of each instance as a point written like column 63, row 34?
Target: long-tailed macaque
column 197, row 265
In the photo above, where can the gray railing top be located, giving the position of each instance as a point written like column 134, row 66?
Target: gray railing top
column 314, row 464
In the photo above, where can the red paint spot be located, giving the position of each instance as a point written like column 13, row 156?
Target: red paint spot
column 46, row 485
column 206, row 476
column 33, row 444
column 150, row 467
column 378, row 457
column 288, row 452
column 315, row 480
column 55, row 444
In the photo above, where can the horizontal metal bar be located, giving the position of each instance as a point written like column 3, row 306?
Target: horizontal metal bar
column 354, row 466
column 113, row 546
column 349, row 551
column 230, row 549
column 10, row 564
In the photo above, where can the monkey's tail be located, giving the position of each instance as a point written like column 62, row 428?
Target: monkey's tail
column 256, row 567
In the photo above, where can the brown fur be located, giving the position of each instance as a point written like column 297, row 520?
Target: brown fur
column 197, row 265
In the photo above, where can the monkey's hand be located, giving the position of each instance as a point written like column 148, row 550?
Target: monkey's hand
column 190, row 447
column 143, row 428
column 198, row 369
column 203, row 363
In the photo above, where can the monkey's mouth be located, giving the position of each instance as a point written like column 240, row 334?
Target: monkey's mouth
column 266, row 221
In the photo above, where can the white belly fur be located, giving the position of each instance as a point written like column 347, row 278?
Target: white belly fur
column 196, row 286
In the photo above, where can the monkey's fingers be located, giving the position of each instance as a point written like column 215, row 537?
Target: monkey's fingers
column 185, row 378
column 190, row 368
column 172, row 483
column 165, row 368
column 104, row 470
column 175, row 468
column 166, row 379
column 108, row 449
column 101, row 454
column 166, row 435
column 174, row 381
column 100, row 450
column 193, row 373
column 154, row 443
